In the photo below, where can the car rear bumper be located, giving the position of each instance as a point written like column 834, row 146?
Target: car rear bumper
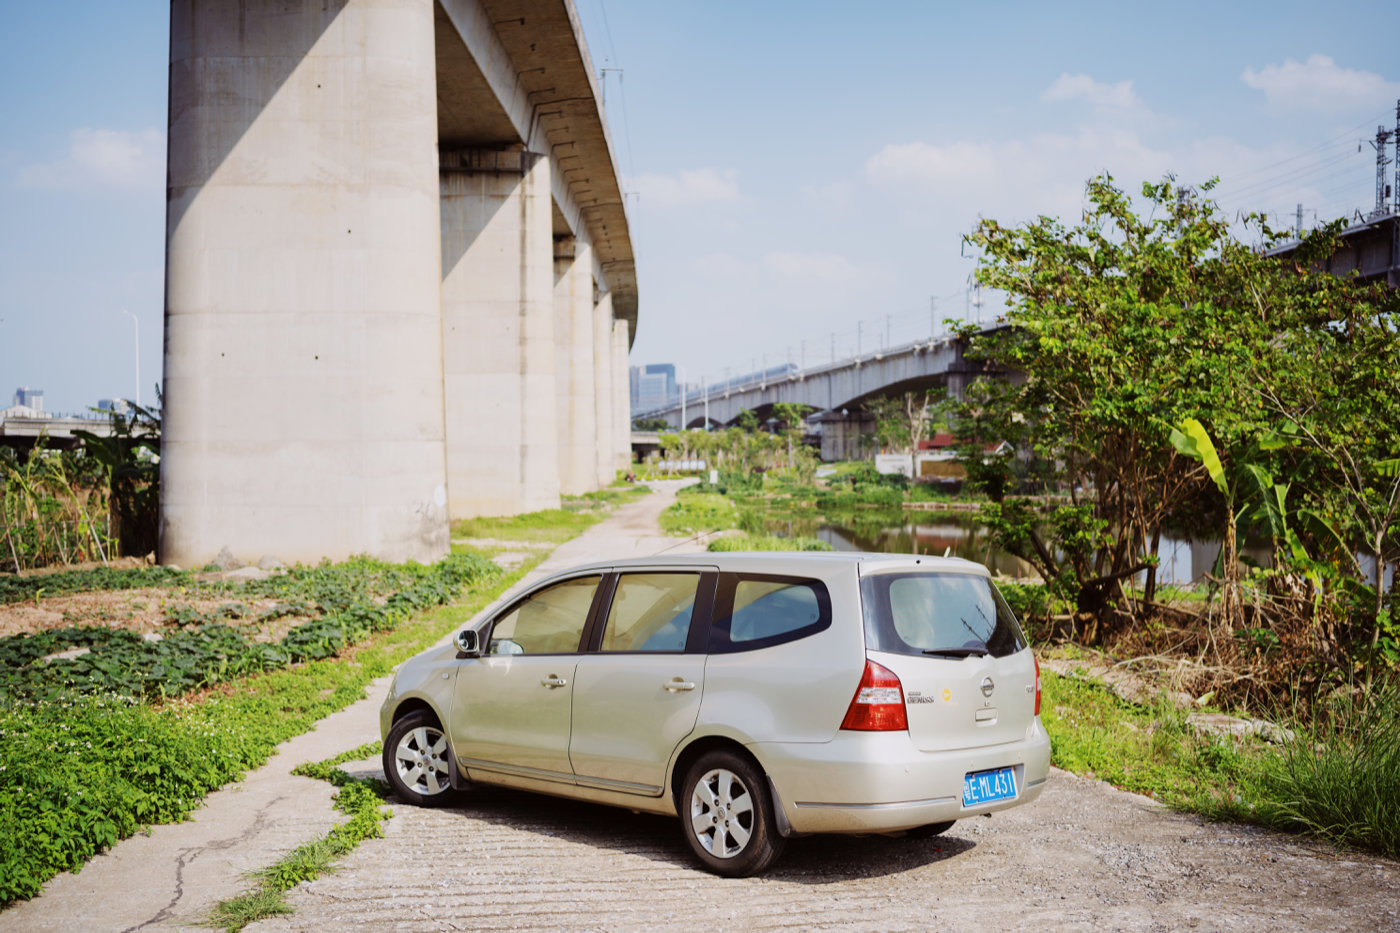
column 863, row 782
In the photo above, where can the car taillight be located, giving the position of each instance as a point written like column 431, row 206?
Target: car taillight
column 1037, row 684
column 878, row 705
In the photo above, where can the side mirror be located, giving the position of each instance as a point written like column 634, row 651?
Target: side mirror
column 468, row 642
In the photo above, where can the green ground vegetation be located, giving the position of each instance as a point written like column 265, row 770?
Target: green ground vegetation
column 748, row 542
column 145, row 762
column 551, row 526
column 699, row 512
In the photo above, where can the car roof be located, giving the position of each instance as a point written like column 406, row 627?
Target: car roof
column 813, row 562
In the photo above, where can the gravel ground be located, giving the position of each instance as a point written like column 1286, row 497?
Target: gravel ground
column 1085, row 856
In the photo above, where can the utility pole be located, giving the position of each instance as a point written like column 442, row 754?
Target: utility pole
column 887, row 331
column 1382, row 189
column 706, row 390
column 802, row 361
column 932, row 317
column 1298, row 224
column 1397, row 155
column 859, row 324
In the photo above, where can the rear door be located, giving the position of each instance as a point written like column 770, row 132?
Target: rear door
column 638, row 694
column 967, row 674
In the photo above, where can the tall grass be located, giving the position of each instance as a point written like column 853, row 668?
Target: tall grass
column 1341, row 781
column 54, row 509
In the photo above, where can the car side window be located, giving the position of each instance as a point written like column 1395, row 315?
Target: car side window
column 651, row 612
column 761, row 611
column 548, row 622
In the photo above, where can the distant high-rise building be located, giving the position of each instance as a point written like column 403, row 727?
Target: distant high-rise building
column 30, row 398
column 652, row 391
column 668, row 371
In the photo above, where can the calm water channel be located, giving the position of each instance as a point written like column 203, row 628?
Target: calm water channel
column 959, row 534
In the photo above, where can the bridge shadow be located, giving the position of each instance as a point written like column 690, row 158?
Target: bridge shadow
column 216, row 104
column 815, row 860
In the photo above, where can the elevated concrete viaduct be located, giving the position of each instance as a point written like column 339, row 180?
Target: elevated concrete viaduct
column 833, row 388
column 399, row 274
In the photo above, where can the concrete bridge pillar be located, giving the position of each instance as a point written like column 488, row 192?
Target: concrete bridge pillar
column 573, row 367
column 622, row 402
column 498, row 332
column 605, row 462
column 303, row 349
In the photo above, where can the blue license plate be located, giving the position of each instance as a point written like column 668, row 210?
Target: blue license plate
column 982, row 787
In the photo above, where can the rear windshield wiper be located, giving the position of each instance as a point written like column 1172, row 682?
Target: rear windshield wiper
column 956, row 652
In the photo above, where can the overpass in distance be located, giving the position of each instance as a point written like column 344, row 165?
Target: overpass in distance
column 400, row 285
column 836, row 390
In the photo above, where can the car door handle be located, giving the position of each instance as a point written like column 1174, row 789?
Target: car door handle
column 678, row 685
column 553, row 681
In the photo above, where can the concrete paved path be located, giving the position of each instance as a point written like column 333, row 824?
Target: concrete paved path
column 169, row 879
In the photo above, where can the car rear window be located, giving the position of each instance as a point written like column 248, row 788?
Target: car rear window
column 758, row 611
column 924, row 613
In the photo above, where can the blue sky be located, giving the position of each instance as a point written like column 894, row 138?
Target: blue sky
column 793, row 169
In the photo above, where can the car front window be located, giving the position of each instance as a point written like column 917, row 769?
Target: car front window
column 548, row 622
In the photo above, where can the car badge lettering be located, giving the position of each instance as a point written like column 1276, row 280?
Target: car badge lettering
column 914, row 696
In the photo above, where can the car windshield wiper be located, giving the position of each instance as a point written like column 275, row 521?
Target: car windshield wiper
column 956, row 652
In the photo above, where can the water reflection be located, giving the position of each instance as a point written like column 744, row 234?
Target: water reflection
column 958, row 534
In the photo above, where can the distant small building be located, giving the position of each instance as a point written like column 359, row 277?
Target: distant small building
column 936, row 460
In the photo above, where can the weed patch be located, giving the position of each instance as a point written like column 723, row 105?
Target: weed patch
column 1338, row 781
column 136, row 764
column 358, row 798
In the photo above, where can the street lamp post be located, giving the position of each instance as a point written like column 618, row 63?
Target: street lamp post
column 136, row 322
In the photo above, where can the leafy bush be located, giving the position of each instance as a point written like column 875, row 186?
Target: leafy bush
column 747, row 542
column 1030, row 602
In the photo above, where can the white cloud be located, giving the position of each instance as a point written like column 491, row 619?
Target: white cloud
column 1320, row 84
column 1102, row 96
column 1018, row 178
column 818, row 267
column 103, row 158
column 686, row 188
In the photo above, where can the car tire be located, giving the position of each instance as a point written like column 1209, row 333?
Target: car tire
column 727, row 815
column 929, row 831
column 418, row 761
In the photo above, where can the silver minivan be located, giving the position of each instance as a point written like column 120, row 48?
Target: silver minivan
column 755, row 696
